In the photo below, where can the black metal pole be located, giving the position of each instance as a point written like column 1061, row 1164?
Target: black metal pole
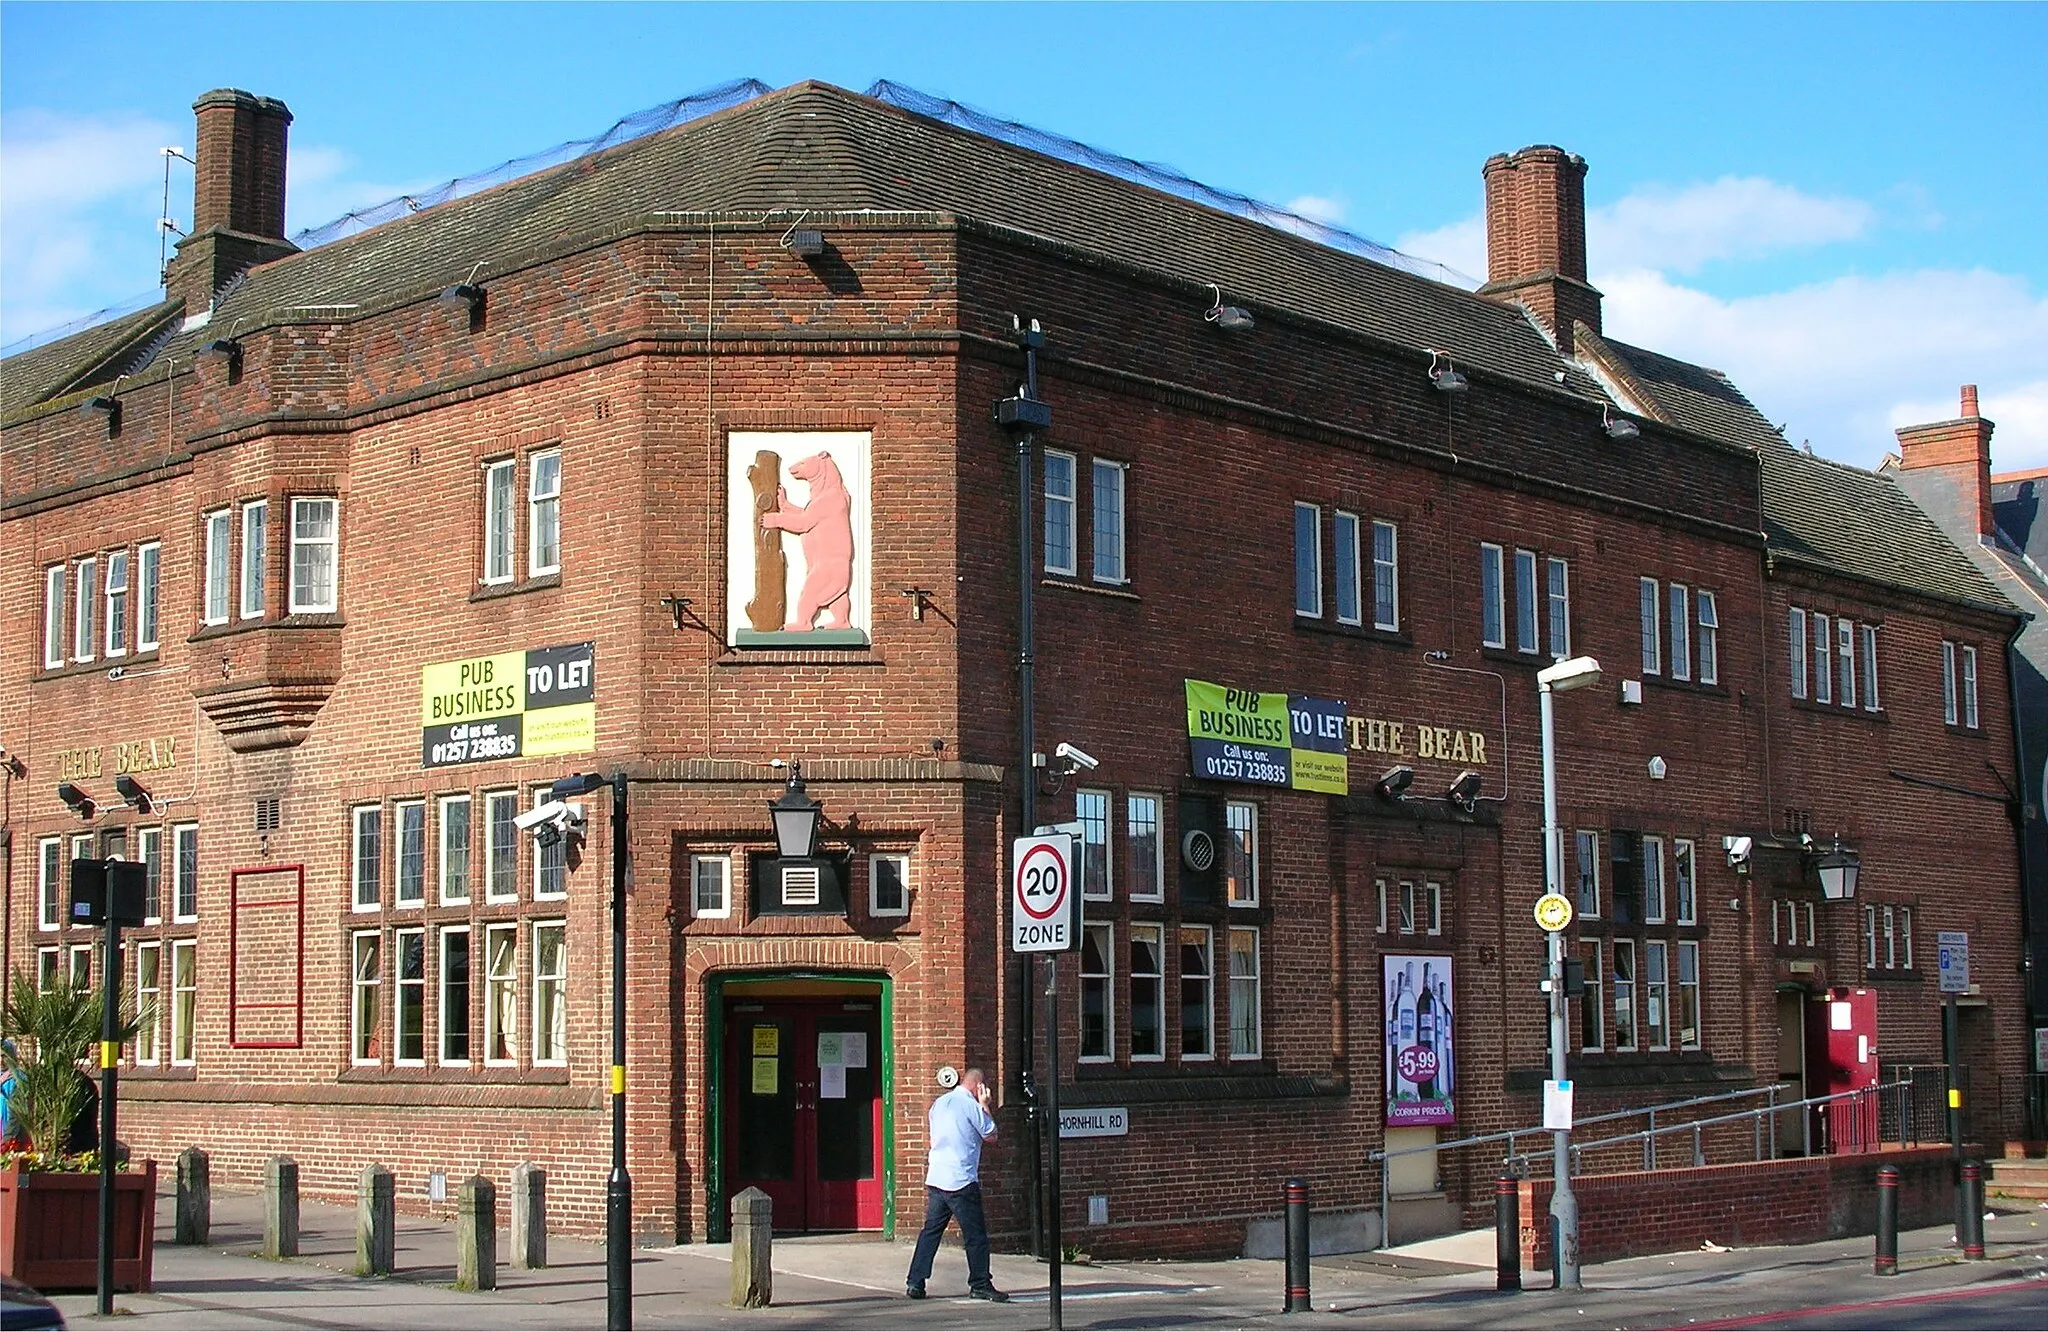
column 1952, row 1053
column 110, row 1073
column 1052, row 1132
column 1887, row 1261
column 1507, row 1233
column 1973, row 1209
column 1297, row 1236
column 618, row 1189
column 1027, row 740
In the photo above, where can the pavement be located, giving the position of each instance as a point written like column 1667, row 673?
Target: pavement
column 857, row 1281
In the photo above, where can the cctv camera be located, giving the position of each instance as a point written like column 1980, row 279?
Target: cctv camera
column 1738, row 849
column 547, row 811
column 1079, row 758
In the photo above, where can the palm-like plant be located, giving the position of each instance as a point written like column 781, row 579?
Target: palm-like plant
column 52, row 1033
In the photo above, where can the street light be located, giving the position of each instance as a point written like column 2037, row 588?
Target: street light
column 1558, row 678
column 795, row 816
column 1839, row 867
column 618, row 1187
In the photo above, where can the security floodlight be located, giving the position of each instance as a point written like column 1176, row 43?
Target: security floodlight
column 1464, row 792
column 1394, row 783
column 80, row 803
column 135, row 793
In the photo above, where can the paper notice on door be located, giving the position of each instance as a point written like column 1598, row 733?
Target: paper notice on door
column 854, row 1046
column 830, row 1049
column 767, row 1076
column 1838, row 1017
column 831, row 1082
column 767, row 1040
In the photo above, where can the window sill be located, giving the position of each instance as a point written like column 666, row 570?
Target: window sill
column 1665, row 684
column 1529, row 661
column 1362, row 633
column 501, row 1074
column 125, row 661
column 516, row 587
column 234, row 628
column 1113, row 591
column 1964, row 732
column 1808, row 705
column 1146, row 1082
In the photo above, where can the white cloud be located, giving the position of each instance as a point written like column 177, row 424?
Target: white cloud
column 1842, row 362
column 1460, row 246
column 320, row 187
column 1318, row 208
column 1735, row 217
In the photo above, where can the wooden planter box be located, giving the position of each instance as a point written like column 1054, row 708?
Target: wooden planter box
column 50, row 1224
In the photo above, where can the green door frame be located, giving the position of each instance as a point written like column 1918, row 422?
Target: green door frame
column 717, row 1225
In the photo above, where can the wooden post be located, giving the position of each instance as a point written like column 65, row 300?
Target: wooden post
column 194, row 1216
column 753, row 1241
column 376, row 1240
column 280, row 1207
column 476, row 1236
column 529, row 1215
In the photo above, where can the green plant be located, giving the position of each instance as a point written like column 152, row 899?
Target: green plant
column 51, row 1034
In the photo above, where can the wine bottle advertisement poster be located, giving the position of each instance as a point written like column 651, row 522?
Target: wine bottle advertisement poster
column 1421, row 1060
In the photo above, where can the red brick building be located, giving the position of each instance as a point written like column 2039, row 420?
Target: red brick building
column 678, row 459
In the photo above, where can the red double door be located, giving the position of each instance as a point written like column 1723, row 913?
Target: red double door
column 803, row 1109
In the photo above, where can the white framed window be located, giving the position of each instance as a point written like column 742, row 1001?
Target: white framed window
column 544, row 513
column 1386, row 576
column 218, row 536
column 81, row 968
column 1197, row 992
column 1098, row 1012
column 1144, row 849
column 455, row 1013
column 1688, row 994
column 49, row 966
column 1379, row 901
column 50, row 883
column 711, row 886
column 81, row 848
column 1091, row 811
column 149, row 849
column 1493, row 622
column 1812, row 940
column 1106, row 516
column 1241, row 853
column 1148, row 992
column 53, row 617
column 550, row 993
column 85, row 605
column 1422, row 908
column 366, row 995
column 117, row 603
column 149, row 559
column 1588, row 845
column 1906, row 937
column 255, row 547
column 1967, row 659
column 1656, row 976
column 1683, row 863
column 1869, row 933
column 1870, row 668
column 1707, row 612
column 1949, row 711
column 149, row 956
column 889, row 884
column 501, row 994
column 1558, row 594
column 1845, row 662
column 1526, row 612
column 1891, row 936
column 184, row 872
column 1408, row 905
column 1647, row 616
column 1653, row 881
column 501, row 846
column 1308, row 561
column 316, row 540
column 366, row 857
column 1823, row 658
column 1344, row 531
column 1060, row 555
column 1624, row 994
column 1246, row 1029
column 550, row 863
column 1681, row 632
column 499, row 480
column 1592, row 1004
column 184, row 1000
column 409, row 1003
column 409, row 888
column 1795, row 656
column 454, row 857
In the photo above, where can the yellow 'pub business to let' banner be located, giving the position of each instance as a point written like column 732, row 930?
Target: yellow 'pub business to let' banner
column 509, row 705
column 1240, row 735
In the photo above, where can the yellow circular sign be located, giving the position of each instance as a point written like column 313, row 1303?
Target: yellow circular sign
column 1553, row 912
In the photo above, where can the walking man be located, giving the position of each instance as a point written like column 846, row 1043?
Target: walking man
column 960, row 1124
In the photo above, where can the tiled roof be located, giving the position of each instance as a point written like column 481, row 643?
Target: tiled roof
column 2016, row 504
column 85, row 358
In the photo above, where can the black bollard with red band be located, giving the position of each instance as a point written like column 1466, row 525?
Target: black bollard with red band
column 1507, row 1233
column 1973, row 1209
column 1297, row 1246
column 1887, row 1263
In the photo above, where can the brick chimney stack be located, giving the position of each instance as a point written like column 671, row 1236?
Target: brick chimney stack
column 1959, row 451
column 237, row 195
column 1536, row 238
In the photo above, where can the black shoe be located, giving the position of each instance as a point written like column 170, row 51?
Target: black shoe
column 989, row 1293
column 913, row 1290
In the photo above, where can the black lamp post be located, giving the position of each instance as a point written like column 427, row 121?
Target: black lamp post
column 795, row 816
column 1839, row 867
column 618, row 1187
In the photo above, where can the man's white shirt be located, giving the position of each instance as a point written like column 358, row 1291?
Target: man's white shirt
column 958, row 1126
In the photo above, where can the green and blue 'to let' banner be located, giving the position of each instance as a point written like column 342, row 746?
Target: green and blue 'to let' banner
column 1292, row 740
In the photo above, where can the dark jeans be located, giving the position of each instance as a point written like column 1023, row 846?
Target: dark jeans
column 964, row 1206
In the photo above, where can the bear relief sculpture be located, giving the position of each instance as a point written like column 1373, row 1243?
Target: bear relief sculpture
column 824, row 531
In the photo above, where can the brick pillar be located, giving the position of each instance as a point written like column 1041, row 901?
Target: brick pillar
column 1536, row 238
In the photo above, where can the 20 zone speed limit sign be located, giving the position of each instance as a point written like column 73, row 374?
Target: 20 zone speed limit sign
column 1042, row 897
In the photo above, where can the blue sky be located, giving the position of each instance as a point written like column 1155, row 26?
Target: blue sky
column 1843, row 206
